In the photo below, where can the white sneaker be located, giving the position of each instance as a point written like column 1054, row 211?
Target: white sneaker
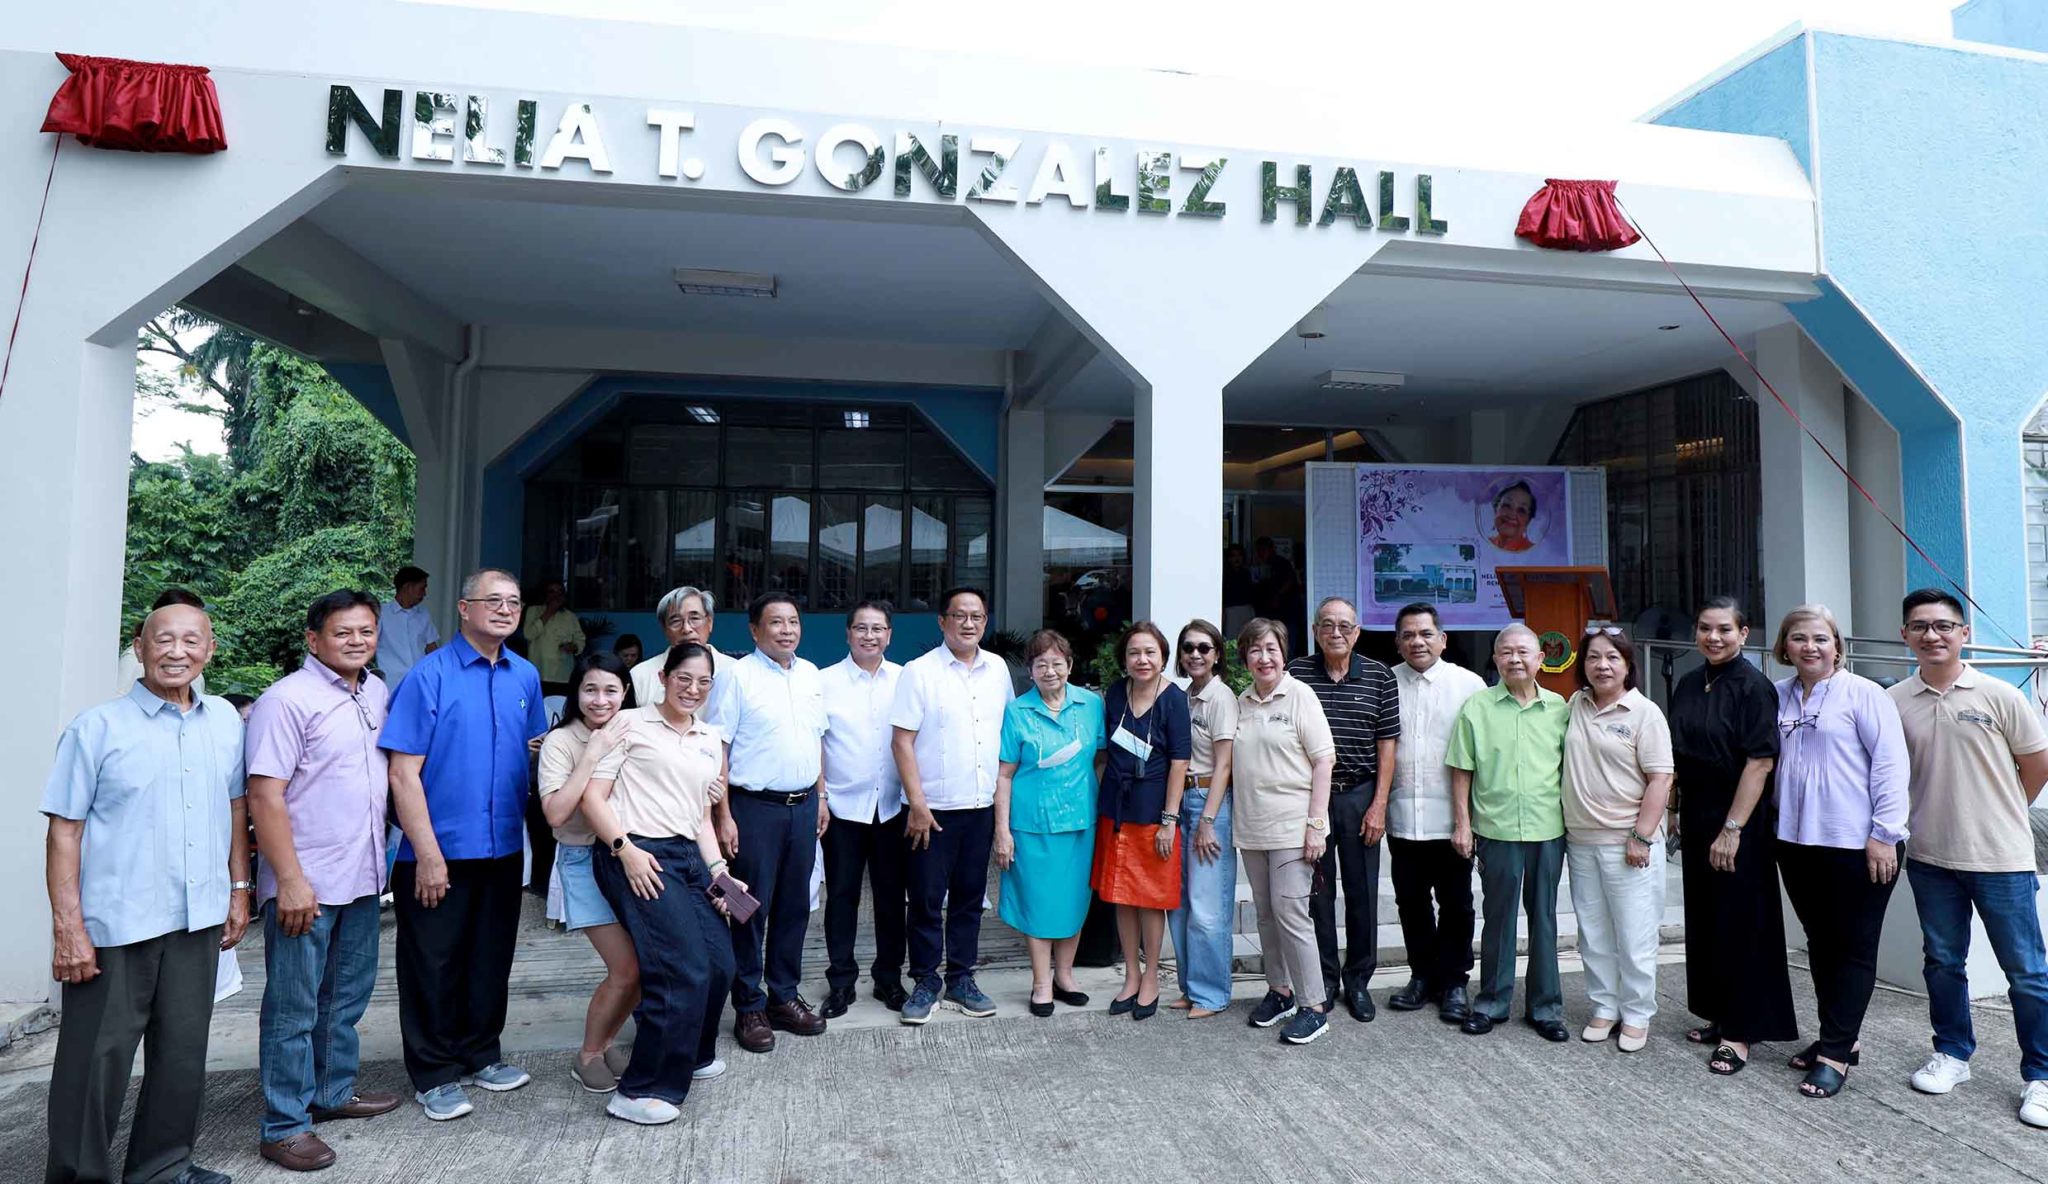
column 706, row 1072
column 645, row 1111
column 1941, row 1074
column 2034, row 1104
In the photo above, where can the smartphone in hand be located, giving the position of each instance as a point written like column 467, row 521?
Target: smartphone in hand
column 739, row 903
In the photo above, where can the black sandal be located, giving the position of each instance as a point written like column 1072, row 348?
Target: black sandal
column 1809, row 1056
column 1726, row 1055
column 1822, row 1081
column 1710, row 1034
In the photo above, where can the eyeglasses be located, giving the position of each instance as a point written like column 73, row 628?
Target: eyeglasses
column 1938, row 628
column 1789, row 726
column 1605, row 631
column 1196, row 647
column 494, row 603
column 1336, row 627
column 1050, row 665
column 687, row 618
column 868, row 630
column 967, row 618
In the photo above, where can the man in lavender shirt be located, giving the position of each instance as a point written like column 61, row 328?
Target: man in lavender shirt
column 317, row 792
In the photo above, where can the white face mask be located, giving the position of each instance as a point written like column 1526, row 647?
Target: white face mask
column 1054, row 760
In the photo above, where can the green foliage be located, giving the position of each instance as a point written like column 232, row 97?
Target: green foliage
column 262, row 618
column 314, row 495
column 1106, row 666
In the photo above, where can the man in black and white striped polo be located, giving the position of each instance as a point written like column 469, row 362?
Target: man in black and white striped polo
column 1364, row 707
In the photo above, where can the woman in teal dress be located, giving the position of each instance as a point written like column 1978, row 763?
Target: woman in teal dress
column 1045, row 817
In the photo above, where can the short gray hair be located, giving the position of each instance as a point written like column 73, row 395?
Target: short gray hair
column 1512, row 629
column 676, row 596
column 1327, row 601
column 475, row 580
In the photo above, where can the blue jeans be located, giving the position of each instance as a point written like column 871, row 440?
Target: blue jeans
column 2005, row 900
column 317, row 985
column 1201, row 926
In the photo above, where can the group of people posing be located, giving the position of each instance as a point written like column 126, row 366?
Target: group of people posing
column 690, row 794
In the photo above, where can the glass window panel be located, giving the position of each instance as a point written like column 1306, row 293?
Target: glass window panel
column 593, row 548
column 870, row 458
column 545, row 539
column 936, row 464
column 1087, row 563
column 973, row 534
column 881, row 549
column 789, row 547
column 779, row 457
column 644, row 547
column 928, row 553
column 838, row 552
column 693, row 546
column 743, row 547
column 672, row 454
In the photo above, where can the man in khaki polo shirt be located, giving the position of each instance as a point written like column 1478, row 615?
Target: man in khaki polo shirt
column 1979, row 758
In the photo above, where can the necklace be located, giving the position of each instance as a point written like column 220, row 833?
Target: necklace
column 1709, row 677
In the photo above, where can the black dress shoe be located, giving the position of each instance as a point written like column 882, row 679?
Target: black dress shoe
column 892, row 995
column 1477, row 1024
column 1413, row 997
column 1359, row 1000
column 837, row 1000
column 1070, row 998
column 1456, row 1008
column 1124, row 1005
column 1041, row 1010
column 1551, row 1030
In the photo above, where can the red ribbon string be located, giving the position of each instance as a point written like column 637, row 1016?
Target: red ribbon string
column 1818, row 442
column 7, row 363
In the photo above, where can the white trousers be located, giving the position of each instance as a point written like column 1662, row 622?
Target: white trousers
column 1619, row 909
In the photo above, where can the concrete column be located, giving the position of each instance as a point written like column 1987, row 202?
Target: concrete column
column 1020, row 499
column 1876, row 552
column 66, row 419
column 1177, row 563
column 1804, row 536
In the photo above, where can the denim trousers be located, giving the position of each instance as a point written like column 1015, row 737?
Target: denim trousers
column 1202, row 925
column 2005, row 900
column 316, row 987
column 686, row 967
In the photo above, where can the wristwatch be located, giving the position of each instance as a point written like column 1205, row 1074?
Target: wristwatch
column 1731, row 824
column 242, row 886
column 1319, row 825
column 618, row 844
column 1166, row 819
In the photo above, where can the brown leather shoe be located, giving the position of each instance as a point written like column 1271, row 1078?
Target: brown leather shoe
column 796, row 1018
column 303, row 1152
column 753, row 1033
column 364, row 1105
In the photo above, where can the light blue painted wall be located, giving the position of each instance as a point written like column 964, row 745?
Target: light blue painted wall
column 1765, row 98
column 1931, row 171
column 2021, row 24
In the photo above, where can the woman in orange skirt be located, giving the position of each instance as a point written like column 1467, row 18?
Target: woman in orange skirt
column 1137, row 840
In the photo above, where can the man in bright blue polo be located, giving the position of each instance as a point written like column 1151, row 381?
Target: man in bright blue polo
column 457, row 736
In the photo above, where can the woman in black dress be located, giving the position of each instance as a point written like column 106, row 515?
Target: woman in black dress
column 1724, row 736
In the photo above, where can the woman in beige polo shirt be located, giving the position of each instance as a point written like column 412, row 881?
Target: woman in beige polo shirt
column 1280, row 784
column 1201, row 926
column 1617, row 778
column 649, row 803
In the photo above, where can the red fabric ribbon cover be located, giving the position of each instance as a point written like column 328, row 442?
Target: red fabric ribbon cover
column 1575, row 216
column 139, row 106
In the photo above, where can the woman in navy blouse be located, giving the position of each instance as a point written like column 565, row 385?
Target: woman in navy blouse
column 1137, row 840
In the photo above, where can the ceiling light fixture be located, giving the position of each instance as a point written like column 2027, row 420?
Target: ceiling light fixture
column 1314, row 326
column 856, row 419
column 699, row 282
column 702, row 414
column 1361, row 380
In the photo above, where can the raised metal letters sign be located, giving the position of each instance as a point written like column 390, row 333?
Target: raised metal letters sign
column 853, row 158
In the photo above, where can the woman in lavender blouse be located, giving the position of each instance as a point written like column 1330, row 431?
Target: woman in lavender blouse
column 1841, row 816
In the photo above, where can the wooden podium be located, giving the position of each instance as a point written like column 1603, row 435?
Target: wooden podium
column 1557, row 602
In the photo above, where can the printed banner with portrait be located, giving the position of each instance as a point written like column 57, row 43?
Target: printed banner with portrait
column 1439, row 532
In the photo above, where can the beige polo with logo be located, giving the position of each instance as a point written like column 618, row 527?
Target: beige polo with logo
column 1279, row 740
column 1968, row 813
